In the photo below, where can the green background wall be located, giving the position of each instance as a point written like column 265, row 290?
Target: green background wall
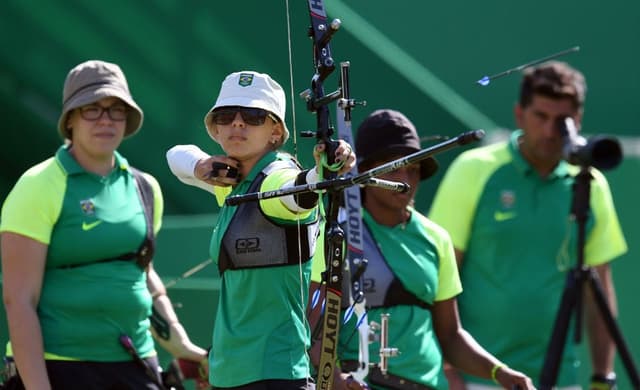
column 421, row 57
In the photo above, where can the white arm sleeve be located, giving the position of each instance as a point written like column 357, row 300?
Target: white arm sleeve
column 182, row 160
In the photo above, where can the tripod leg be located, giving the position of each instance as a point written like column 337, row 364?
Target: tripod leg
column 614, row 330
column 560, row 328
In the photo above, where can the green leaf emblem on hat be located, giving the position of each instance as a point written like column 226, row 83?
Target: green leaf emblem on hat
column 245, row 79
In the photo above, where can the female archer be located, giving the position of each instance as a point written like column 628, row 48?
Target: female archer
column 263, row 248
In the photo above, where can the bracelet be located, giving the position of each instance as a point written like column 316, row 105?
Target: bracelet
column 495, row 369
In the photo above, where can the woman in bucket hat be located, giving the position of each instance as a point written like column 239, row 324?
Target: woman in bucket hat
column 262, row 248
column 412, row 266
column 77, row 241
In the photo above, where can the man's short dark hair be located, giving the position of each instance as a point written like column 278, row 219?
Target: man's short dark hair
column 553, row 79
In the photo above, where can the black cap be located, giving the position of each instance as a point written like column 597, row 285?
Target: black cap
column 385, row 133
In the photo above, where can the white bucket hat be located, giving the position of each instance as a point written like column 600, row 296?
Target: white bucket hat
column 253, row 90
column 91, row 81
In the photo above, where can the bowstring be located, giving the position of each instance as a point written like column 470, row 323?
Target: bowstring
column 292, row 91
column 295, row 154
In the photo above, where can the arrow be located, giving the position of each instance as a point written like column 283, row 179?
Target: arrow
column 487, row 79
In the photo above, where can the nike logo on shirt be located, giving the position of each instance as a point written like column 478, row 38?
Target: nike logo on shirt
column 89, row 226
column 504, row 215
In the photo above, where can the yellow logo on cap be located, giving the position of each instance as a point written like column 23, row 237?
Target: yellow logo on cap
column 245, row 79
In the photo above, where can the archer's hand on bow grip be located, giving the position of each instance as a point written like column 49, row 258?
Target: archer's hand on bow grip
column 344, row 156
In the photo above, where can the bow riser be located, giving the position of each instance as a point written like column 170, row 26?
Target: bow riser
column 317, row 101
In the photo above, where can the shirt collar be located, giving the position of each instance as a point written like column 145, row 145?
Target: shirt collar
column 71, row 166
column 260, row 165
column 267, row 159
column 370, row 221
column 561, row 170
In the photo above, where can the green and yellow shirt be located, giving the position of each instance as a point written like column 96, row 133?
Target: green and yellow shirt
column 260, row 319
column 82, row 218
column 420, row 254
column 518, row 242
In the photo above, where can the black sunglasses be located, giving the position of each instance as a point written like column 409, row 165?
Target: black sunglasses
column 250, row 116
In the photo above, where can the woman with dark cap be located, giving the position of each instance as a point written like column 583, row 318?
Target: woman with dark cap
column 411, row 274
column 77, row 236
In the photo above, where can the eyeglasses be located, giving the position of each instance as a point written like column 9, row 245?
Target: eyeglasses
column 116, row 112
column 250, row 116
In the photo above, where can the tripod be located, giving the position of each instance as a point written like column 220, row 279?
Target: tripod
column 571, row 301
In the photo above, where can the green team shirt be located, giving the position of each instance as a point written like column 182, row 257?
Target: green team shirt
column 421, row 256
column 82, row 218
column 261, row 331
column 519, row 242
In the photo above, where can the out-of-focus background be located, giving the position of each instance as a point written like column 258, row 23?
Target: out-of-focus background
column 420, row 57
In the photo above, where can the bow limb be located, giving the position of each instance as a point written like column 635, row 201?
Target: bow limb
column 317, row 101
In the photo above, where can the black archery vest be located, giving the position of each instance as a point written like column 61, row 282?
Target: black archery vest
column 252, row 240
column 381, row 287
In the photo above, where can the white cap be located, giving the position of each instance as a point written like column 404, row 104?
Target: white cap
column 253, row 90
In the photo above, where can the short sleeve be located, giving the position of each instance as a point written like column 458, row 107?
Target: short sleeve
column 606, row 240
column 33, row 205
column 449, row 284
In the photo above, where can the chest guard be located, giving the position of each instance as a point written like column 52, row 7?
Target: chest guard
column 381, row 286
column 252, row 240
